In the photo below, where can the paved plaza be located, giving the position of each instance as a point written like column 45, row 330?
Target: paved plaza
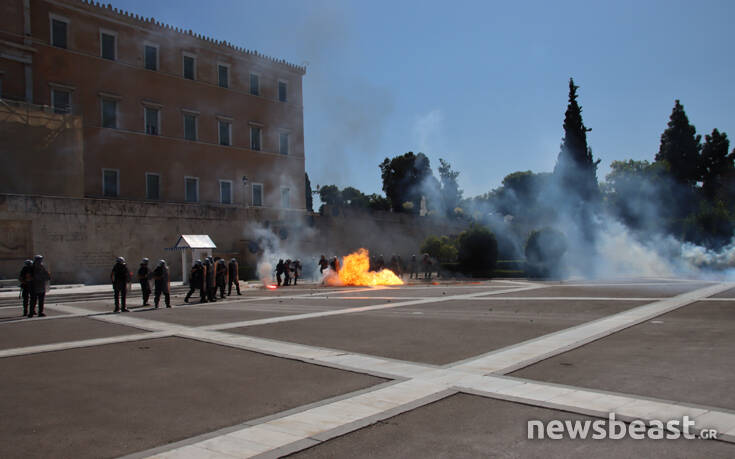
column 428, row 369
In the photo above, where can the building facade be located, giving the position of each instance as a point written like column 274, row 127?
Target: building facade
column 159, row 114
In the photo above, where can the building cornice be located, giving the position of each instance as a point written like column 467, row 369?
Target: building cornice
column 108, row 12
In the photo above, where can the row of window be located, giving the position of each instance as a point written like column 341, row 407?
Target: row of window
column 61, row 103
column 151, row 59
column 111, row 188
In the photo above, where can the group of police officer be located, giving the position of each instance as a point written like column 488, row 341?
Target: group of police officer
column 211, row 275
column 121, row 277
column 290, row 270
column 34, row 283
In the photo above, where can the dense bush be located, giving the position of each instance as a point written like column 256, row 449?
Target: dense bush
column 545, row 249
column 441, row 248
column 477, row 251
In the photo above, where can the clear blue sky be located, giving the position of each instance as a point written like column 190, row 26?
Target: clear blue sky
column 482, row 84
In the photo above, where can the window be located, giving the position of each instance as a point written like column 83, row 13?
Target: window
column 254, row 138
column 61, row 101
column 152, row 121
column 150, row 56
column 254, row 84
column 59, row 32
column 190, row 127
column 286, row 198
column 152, row 186
column 109, row 113
column 108, row 47
column 189, row 67
column 225, row 191
column 283, row 143
column 223, row 75
column 110, row 182
column 258, row 194
column 225, row 132
column 282, row 91
column 191, row 192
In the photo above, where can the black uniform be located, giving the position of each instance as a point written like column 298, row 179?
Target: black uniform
column 296, row 271
column 145, row 287
column 41, row 278
column 161, row 285
column 323, row 264
column 220, row 278
column 26, row 284
column 211, row 287
column 233, row 277
column 120, row 276
column 287, row 272
column 196, row 281
column 279, row 271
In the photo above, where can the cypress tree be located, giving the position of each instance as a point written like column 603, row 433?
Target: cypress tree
column 680, row 147
column 575, row 168
column 716, row 164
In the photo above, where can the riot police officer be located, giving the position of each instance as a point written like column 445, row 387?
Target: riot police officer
column 120, row 277
column 161, row 284
column 220, row 278
column 196, row 281
column 39, row 285
column 26, row 284
column 233, row 277
column 209, row 278
column 144, row 273
column 279, row 271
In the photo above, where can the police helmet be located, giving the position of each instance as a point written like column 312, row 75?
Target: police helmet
column 198, row 262
column 233, row 260
column 120, row 260
column 145, row 261
column 38, row 258
column 28, row 262
column 161, row 262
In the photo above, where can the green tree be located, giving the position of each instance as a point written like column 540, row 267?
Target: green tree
column 330, row 195
column 717, row 165
column 441, row 248
column 451, row 195
column 378, row 202
column 680, row 147
column 354, row 198
column 405, row 178
column 477, row 251
column 575, row 168
column 308, row 194
column 545, row 249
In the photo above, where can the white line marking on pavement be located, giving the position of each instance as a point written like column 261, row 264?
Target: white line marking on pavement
column 81, row 343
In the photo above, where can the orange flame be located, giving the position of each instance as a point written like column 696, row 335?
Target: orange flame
column 355, row 270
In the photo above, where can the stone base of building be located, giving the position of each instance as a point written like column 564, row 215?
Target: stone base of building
column 81, row 237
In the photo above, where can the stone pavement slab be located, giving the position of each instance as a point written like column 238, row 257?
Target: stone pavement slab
column 685, row 355
column 470, row 426
column 33, row 332
column 116, row 399
column 410, row 337
column 728, row 294
column 577, row 311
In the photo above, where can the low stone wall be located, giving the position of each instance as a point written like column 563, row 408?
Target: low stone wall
column 80, row 237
